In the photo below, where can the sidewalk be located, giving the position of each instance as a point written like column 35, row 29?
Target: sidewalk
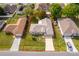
column 49, row 44
column 15, row 45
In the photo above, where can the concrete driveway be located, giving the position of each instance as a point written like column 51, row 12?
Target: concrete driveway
column 49, row 44
column 69, row 39
column 15, row 45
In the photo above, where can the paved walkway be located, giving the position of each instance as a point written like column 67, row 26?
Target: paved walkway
column 15, row 45
column 69, row 39
column 49, row 44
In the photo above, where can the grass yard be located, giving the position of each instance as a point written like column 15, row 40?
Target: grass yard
column 59, row 43
column 13, row 20
column 30, row 44
column 76, row 42
column 5, row 41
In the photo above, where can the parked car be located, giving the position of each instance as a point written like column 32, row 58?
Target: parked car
column 69, row 46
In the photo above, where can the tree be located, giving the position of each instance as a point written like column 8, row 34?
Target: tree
column 71, row 10
column 39, row 14
column 28, row 11
column 32, row 5
column 33, row 19
column 55, row 10
column 1, row 11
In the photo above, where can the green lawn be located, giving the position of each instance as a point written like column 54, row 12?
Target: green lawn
column 5, row 41
column 76, row 42
column 59, row 43
column 30, row 44
column 13, row 20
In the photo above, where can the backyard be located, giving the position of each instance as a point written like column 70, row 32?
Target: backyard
column 59, row 43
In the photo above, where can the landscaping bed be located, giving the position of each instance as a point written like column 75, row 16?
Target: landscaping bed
column 76, row 42
column 59, row 43
column 6, row 41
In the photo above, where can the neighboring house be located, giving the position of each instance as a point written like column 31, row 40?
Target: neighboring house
column 9, row 9
column 68, row 27
column 2, row 24
column 20, row 9
column 16, row 29
column 42, row 6
column 44, row 26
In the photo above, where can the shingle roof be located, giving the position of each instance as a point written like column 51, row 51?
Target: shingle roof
column 20, row 28
column 37, row 29
column 48, row 24
column 16, row 29
column 10, row 28
column 68, row 26
column 45, row 26
column 43, row 6
column 10, row 8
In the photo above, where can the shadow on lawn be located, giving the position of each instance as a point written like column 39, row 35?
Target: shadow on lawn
column 27, row 26
column 76, row 38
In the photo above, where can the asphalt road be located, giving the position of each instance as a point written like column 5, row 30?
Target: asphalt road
column 21, row 53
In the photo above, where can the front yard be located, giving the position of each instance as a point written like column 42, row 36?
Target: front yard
column 31, row 43
column 6, row 41
column 59, row 43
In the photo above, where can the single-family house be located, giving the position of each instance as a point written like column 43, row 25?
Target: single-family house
column 20, row 9
column 9, row 9
column 44, row 27
column 37, row 29
column 42, row 6
column 16, row 29
column 68, row 27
